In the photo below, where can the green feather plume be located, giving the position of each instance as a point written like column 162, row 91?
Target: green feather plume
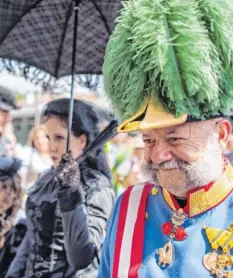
column 178, row 52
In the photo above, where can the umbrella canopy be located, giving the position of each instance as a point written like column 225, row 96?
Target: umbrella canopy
column 59, row 37
column 39, row 33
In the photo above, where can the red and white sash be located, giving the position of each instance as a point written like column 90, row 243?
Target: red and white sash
column 130, row 232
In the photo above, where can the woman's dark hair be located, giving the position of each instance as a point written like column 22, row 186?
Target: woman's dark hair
column 85, row 121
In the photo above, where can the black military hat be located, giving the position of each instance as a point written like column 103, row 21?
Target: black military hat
column 7, row 99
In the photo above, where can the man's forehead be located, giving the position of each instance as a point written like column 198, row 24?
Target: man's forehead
column 166, row 130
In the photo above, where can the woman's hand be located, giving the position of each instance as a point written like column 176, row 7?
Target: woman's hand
column 67, row 174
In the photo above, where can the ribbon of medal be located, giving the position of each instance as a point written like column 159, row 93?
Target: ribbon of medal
column 218, row 261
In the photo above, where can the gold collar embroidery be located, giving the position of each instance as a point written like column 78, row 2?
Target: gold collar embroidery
column 201, row 200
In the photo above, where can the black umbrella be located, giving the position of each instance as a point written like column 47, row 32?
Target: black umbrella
column 58, row 37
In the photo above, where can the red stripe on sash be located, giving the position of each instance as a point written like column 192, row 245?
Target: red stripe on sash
column 120, row 230
column 138, row 235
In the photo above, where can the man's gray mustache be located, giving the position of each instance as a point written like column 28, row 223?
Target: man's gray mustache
column 173, row 165
column 166, row 165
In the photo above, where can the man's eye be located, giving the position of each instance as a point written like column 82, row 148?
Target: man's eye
column 149, row 142
column 174, row 139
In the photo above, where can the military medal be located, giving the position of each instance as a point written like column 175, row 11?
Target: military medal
column 221, row 242
column 174, row 230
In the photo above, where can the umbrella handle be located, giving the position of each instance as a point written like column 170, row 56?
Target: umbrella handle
column 71, row 104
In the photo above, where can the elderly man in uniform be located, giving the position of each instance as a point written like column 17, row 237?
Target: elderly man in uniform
column 168, row 74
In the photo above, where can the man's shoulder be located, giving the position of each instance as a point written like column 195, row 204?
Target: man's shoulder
column 140, row 187
column 133, row 195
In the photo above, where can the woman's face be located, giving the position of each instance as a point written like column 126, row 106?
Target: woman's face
column 56, row 131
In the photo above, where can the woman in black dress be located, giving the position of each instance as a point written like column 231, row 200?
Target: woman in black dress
column 69, row 206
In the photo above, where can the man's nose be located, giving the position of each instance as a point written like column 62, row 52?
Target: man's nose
column 161, row 153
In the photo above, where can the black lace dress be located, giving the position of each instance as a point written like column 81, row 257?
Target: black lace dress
column 64, row 236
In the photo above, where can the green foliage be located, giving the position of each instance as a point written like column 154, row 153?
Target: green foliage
column 178, row 52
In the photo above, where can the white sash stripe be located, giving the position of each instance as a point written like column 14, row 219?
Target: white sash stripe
column 125, row 252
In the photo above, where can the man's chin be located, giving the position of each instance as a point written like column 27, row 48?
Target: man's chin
column 172, row 178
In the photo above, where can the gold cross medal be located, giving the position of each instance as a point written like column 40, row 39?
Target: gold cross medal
column 175, row 231
column 217, row 261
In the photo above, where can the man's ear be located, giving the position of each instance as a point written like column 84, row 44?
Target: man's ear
column 224, row 130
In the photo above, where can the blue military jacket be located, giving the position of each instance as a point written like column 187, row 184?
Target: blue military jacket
column 208, row 206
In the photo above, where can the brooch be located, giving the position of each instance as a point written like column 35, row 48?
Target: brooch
column 174, row 230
